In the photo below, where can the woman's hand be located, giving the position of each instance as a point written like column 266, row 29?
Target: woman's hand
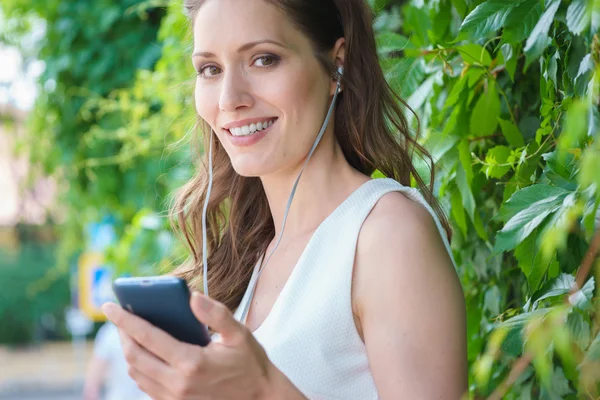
column 232, row 367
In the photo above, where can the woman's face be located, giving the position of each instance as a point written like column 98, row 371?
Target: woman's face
column 259, row 87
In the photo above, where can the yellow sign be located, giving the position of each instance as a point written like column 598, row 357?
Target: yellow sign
column 94, row 285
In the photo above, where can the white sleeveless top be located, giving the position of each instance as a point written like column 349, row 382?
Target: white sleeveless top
column 310, row 333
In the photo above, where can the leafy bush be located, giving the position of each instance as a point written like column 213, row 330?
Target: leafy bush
column 507, row 93
column 508, row 96
column 32, row 290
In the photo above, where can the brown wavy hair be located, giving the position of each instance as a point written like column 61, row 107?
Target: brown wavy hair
column 370, row 127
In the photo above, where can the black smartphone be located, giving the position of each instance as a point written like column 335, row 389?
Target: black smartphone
column 164, row 301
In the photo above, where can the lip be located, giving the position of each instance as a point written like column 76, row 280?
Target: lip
column 244, row 122
column 245, row 141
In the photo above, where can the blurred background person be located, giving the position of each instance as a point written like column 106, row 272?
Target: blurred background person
column 107, row 376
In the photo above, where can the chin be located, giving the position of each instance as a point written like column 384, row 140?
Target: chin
column 250, row 169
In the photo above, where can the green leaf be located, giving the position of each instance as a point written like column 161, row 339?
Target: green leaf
column 580, row 330
column 524, row 198
column 486, row 18
column 559, row 286
column 552, row 68
column 593, row 122
column 388, row 42
column 465, row 192
column 492, row 300
column 510, row 59
column 531, row 262
column 555, row 234
column 579, row 15
column 522, row 224
column 467, row 80
column 586, row 68
column 521, row 320
column 460, row 6
column 406, row 75
column 458, row 212
column 479, row 228
column 558, row 388
column 590, row 165
column 472, row 53
column 575, row 131
column 595, row 20
column 466, row 160
column 561, row 171
column 495, row 158
column 591, row 215
column 439, row 144
column 593, row 353
column 521, row 21
column 484, row 118
column 539, row 40
column 511, row 133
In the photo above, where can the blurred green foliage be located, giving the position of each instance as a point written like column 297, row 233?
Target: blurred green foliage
column 33, row 293
column 507, row 93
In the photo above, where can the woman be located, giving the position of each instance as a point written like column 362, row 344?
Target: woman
column 359, row 299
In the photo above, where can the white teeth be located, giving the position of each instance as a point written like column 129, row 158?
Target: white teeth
column 250, row 129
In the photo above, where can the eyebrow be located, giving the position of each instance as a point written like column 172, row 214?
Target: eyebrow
column 243, row 48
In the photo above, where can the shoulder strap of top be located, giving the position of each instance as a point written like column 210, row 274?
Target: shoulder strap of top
column 416, row 195
column 365, row 198
column 358, row 205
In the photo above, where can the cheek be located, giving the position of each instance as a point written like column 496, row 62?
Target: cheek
column 205, row 104
column 298, row 97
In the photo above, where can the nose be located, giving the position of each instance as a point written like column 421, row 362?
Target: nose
column 235, row 92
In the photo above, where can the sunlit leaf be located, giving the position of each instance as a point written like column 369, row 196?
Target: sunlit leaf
column 522, row 224
column 487, row 17
column 474, row 53
column 579, row 15
column 538, row 40
column 496, row 160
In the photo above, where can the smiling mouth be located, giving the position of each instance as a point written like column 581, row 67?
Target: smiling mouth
column 251, row 129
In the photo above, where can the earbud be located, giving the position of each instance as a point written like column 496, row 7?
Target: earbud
column 340, row 73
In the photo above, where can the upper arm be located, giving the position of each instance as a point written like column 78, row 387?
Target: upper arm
column 410, row 304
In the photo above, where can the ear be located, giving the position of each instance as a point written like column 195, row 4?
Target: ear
column 339, row 57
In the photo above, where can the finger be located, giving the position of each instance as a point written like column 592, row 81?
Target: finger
column 216, row 315
column 155, row 340
column 145, row 362
column 149, row 386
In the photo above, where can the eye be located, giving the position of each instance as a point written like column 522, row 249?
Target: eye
column 266, row 61
column 209, row 71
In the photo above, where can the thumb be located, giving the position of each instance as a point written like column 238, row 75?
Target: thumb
column 216, row 315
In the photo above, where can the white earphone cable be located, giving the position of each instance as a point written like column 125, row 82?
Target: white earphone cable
column 287, row 209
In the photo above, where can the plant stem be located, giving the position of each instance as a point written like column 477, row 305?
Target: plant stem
column 518, row 368
column 586, row 265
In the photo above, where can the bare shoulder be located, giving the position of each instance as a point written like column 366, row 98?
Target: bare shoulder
column 400, row 240
column 398, row 225
column 400, row 243
column 405, row 293
column 396, row 213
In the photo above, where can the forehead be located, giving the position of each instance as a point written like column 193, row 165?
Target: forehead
column 234, row 22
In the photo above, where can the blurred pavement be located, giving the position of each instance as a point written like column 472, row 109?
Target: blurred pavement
column 54, row 371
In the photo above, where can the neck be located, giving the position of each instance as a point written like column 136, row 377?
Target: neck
column 327, row 180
